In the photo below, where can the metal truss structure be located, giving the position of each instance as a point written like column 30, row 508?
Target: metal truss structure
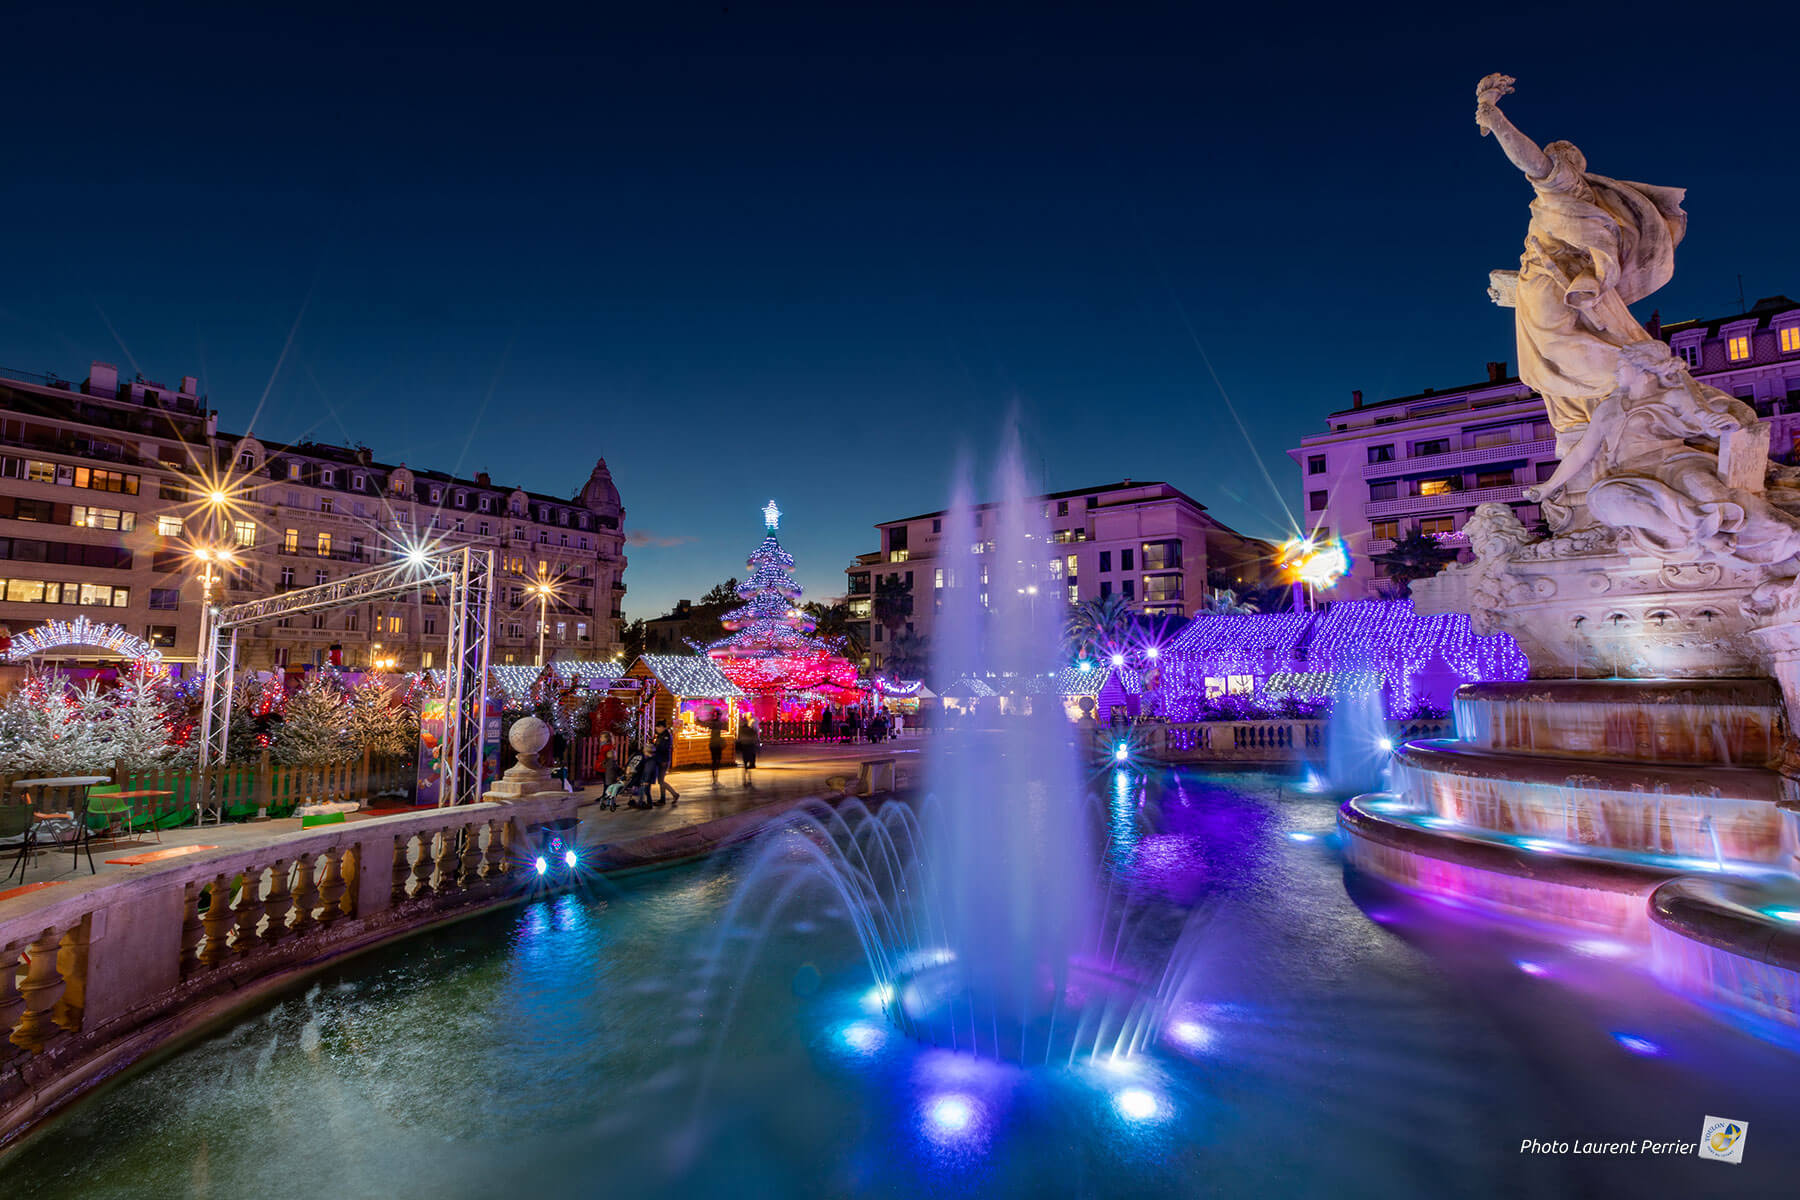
column 469, row 573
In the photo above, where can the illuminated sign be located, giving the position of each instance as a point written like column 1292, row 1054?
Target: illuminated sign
column 52, row 635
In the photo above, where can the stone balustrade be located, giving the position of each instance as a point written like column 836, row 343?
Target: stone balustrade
column 1259, row 741
column 116, row 965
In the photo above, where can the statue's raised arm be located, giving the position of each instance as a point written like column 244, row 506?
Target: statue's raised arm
column 1525, row 153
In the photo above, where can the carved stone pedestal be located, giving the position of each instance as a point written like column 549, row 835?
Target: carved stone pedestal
column 525, row 778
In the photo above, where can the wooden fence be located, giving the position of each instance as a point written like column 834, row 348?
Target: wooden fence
column 249, row 789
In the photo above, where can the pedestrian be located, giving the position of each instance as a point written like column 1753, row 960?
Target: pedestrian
column 662, row 756
column 853, row 726
column 748, row 742
column 825, row 728
column 899, row 725
column 715, row 745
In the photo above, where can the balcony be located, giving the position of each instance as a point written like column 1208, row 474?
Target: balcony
column 1447, row 502
column 1545, row 448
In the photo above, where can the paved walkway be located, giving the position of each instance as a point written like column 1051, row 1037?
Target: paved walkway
column 783, row 774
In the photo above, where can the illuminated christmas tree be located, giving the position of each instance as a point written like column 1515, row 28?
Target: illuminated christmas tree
column 770, row 650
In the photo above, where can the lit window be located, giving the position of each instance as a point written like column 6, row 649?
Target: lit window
column 244, row 532
column 1215, row 686
column 168, row 527
column 1240, row 685
column 324, row 545
column 1435, row 487
column 290, row 542
column 1790, row 339
column 1737, row 349
column 293, row 470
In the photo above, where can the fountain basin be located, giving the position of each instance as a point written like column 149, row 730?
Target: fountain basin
column 1731, row 943
column 1711, row 721
column 1097, row 1011
column 1496, row 873
column 1714, row 814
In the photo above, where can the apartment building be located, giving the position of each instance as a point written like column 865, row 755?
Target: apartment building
column 321, row 512
column 85, row 471
column 1427, row 460
column 96, row 519
column 1150, row 543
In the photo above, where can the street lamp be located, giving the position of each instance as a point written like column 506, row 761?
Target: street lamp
column 543, row 589
column 209, row 558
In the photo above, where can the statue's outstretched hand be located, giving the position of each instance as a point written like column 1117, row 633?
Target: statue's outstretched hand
column 1487, row 99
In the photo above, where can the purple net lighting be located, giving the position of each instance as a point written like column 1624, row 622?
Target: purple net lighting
column 1418, row 659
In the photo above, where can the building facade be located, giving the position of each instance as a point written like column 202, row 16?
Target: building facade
column 97, row 519
column 1428, row 460
column 85, row 472
column 1149, row 543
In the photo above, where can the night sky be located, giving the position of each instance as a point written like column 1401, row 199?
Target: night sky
column 813, row 255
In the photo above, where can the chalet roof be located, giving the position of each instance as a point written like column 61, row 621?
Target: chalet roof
column 689, row 675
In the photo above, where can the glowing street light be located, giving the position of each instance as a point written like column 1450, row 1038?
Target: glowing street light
column 545, row 590
column 1314, row 564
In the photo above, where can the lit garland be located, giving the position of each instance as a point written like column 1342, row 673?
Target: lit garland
column 57, row 633
column 691, row 675
column 1350, row 643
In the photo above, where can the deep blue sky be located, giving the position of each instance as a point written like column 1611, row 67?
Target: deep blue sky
column 806, row 253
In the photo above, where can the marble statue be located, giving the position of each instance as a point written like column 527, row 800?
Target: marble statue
column 1675, row 468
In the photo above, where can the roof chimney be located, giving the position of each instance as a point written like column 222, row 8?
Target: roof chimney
column 1496, row 371
column 1356, row 398
column 481, row 477
column 189, row 385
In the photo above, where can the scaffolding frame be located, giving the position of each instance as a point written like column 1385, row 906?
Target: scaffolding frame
column 469, row 573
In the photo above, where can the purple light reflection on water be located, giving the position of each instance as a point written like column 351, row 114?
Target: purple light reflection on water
column 1638, row 1045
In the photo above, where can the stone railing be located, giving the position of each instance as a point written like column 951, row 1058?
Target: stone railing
column 1269, row 741
column 98, row 977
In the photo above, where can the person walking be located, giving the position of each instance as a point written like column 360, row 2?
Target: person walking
column 825, row 729
column 715, row 745
column 662, row 756
column 899, row 725
column 748, row 742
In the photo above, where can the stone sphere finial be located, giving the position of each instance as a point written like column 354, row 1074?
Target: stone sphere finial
column 528, row 736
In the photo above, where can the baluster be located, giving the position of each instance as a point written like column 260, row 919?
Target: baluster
column 276, row 905
column 71, row 964
column 447, row 861
column 249, row 911
column 495, row 857
column 216, row 922
column 191, row 929
column 43, row 987
column 471, row 855
column 350, row 866
column 331, row 887
column 402, row 868
column 304, row 893
column 12, row 1004
column 421, row 869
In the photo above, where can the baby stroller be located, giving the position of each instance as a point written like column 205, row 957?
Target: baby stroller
column 633, row 777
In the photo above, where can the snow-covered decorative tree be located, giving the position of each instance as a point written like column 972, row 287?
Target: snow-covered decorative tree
column 135, row 725
column 770, row 649
column 315, row 726
column 380, row 723
column 60, row 732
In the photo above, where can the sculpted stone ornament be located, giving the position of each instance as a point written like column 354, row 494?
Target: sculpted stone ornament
column 1675, row 545
column 528, row 736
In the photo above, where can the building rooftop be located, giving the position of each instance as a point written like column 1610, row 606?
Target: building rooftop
column 1763, row 311
column 1123, row 485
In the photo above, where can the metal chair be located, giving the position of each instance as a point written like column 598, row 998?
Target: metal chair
column 18, row 827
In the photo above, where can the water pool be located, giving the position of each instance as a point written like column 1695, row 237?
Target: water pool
column 1334, row 1043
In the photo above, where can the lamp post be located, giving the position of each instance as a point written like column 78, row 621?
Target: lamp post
column 542, row 589
column 208, row 557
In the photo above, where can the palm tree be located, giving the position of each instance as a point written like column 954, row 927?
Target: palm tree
column 1099, row 627
column 893, row 604
column 1418, row 555
column 1223, row 602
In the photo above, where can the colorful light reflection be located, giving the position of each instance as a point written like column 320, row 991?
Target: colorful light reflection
column 951, row 1115
column 1136, row 1104
column 1638, row 1045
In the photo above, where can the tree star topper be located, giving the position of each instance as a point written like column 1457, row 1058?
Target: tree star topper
column 772, row 516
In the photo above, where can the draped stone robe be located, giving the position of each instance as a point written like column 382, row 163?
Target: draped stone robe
column 1594, row 246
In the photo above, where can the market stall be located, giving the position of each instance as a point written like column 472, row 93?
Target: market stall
column 690, row 693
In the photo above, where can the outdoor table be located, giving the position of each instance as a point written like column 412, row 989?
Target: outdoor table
column 77, row 813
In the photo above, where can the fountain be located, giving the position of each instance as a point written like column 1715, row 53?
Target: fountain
column 1654, row 799
column 983, row 912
